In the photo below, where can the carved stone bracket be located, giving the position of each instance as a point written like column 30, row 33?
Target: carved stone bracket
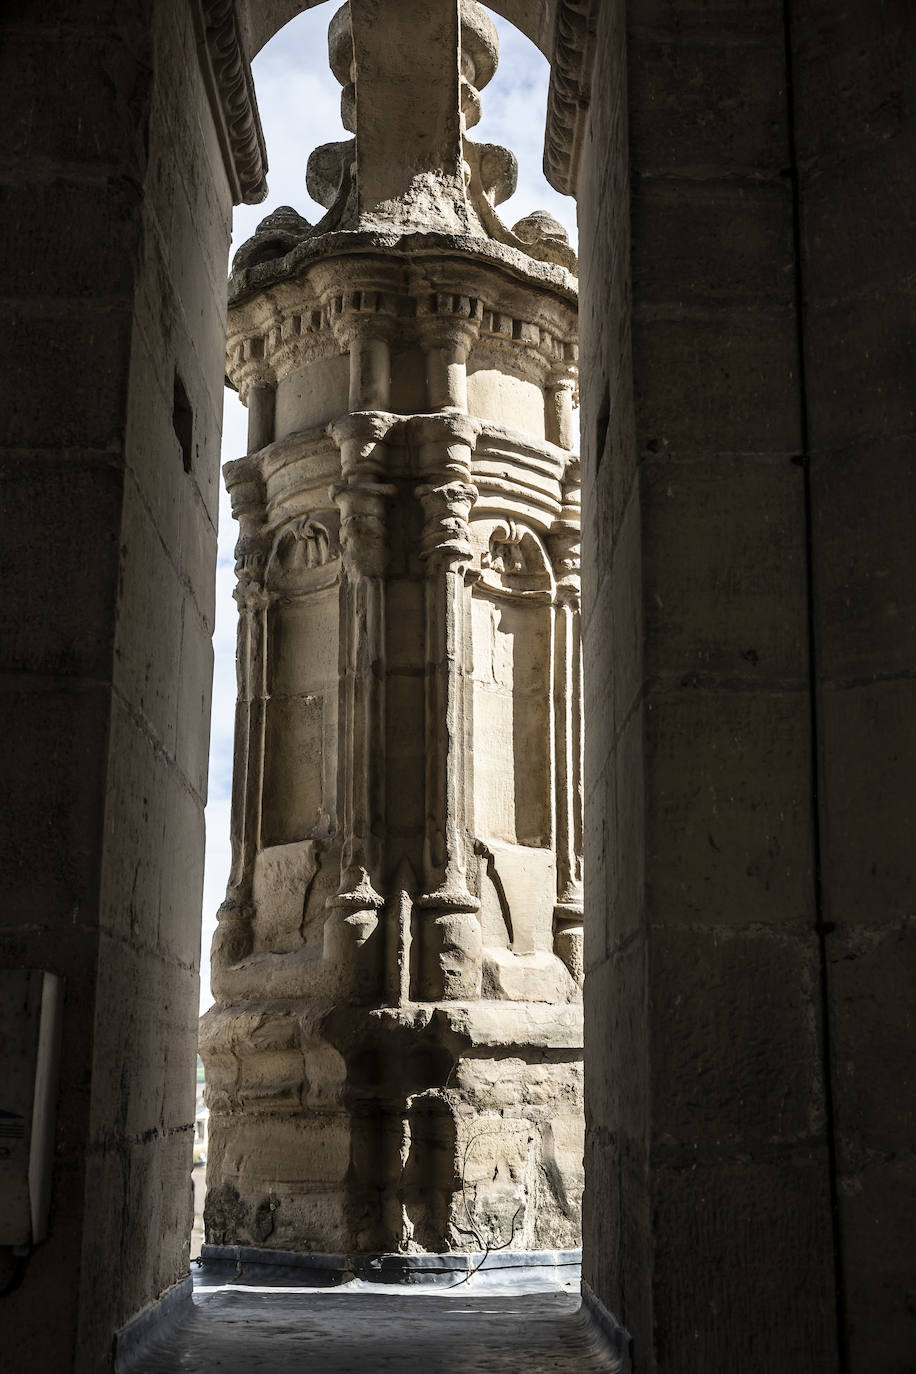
column 301, row 550
column 570, row 91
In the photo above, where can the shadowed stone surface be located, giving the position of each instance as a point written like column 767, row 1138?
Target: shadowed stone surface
column 244, row 1329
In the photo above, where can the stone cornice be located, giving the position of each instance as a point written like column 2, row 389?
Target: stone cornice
column 230, row 88
column 570, row 91
column 302, row 318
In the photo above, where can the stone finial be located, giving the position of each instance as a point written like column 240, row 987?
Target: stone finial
column 479, row 57
column 411, row 74
column 540, row 227
column 274, row 237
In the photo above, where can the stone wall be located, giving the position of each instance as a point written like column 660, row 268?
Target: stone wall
column 747, row 428
column 114, row 282
column 855, row 143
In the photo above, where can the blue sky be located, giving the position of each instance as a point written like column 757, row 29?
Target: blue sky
column 299, row 101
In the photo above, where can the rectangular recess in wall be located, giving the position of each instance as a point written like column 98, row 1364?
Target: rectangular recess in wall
column 602, row 425
column 183, row 421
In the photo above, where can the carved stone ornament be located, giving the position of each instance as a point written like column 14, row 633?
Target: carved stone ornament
column 570, row 91
column 231, row 91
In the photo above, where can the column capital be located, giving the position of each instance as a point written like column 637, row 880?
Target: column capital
column 446, row 509
column 444, row 427
column 368, row 426
column 446, row 441
column 356, row 322
column 565, row 538
column 563, row 376
column 560, row 395
column 247, row 366
column 455, row 333
column 363, row 541
column 361, row 436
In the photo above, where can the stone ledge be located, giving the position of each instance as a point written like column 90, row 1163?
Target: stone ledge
column 508, row 1267
column 495, row 1024
column 408, row 247
column 614, row 1337
column 150, row 1324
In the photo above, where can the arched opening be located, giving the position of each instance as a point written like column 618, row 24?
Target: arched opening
column 291, row 77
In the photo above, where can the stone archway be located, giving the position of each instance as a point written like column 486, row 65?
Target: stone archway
column 490, row 930
column 261, row 19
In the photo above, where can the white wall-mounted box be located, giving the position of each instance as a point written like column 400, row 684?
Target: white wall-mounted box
column 30, row 1016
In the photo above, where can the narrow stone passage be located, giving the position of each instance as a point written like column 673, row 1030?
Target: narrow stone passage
column 237, row 1329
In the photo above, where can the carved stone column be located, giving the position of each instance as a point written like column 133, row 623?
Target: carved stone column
column 260, row 416
column 451, row 941
column 559, row 420
column 447, row 339
column 256, row 382
column 349, row 933
column 232, row 939
column 567, row 693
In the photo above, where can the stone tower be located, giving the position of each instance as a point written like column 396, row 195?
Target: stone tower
column 394, row 1060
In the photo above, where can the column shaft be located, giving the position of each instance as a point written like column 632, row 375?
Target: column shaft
column 261, row 406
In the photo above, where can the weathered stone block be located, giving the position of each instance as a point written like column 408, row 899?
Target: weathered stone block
column 627, row 781
column 147, row 670
column 768, row 1221
column 192, row 739
column 282, row 876
column 198, row 552
column 735, row 1040
column 97, row 72
column 733, row 368
column 872, row 965
column 182, row 878
column 104, row 222
column 627, row 627
column 724, row 551
column 710, row 104
column 863, row 568
column 865, row 337
column 729, row 837
column 51, row 840
column 697, row 242
column 869, row 735
column 846, row 205
column 72, row 635
column 876, row 1205
column 42, row 411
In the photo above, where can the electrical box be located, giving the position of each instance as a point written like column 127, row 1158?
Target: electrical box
column 30, row 1016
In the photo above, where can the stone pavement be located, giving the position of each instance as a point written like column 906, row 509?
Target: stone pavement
column 363, row 1328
